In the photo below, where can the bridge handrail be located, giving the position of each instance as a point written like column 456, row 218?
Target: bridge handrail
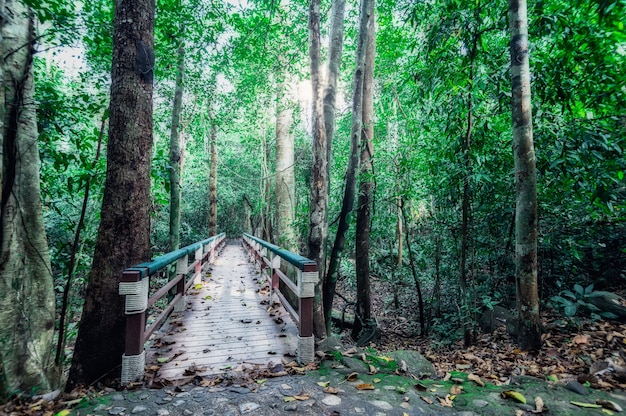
column 303, row 288
column 295, row 259
column 135, row 284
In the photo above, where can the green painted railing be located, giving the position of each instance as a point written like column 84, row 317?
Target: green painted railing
column 135, row 285
column 269, row 258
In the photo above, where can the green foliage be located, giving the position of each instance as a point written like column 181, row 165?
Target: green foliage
column 573, row 302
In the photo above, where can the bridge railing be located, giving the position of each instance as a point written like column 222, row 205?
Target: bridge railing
column 278, row 263
column 135, row 285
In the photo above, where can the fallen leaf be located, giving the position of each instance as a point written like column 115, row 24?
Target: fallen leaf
column 302, row 397
column 515, row 395
column 552, row 377
column 352, row 376
column 162, row 360
column 446, row 401
column 539, row 405
column 372, row 369
column 476, row 379
column 607, row 411
column 289, row 399
column 580, row 339
column 261, row 381
column 323, row 383
column 365, row 386
column 586, row 405
column 610, row 405
column 456, row 389
column 198, row 286
column 331, row 390
column 427, row 399
column 376, row 380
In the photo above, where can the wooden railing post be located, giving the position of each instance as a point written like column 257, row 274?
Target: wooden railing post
column 135, row 288
column 181, row 269
column 307, row 278
column 275, row 279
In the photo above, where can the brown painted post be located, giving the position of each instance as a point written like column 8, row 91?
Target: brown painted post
column 306, row 306
column 135, row 323
column 307, row 280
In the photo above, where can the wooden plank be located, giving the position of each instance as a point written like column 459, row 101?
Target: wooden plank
column 225, row 324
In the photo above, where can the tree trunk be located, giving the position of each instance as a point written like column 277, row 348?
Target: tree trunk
column 27, row 309
column 124, row 233
column 318, row 214
column 213, row 182
column 330, row 281
column 175, row 153
column 285, row 181
column 529, row 327
column 335, row 51
column 363, row 305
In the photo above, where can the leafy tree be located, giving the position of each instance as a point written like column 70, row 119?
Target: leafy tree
column 27, row 307
column 124, row 234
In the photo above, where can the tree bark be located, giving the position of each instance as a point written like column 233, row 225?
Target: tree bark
column 123, row 237
column 213, row 181
column 285, row 180
column 363, row 305
column 335, row 52
column 27, row 309
column 330, row 280
column 175, row 152
column 529, row 326
column 318, row 213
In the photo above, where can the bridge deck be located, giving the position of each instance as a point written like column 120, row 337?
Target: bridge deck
column 227, row 324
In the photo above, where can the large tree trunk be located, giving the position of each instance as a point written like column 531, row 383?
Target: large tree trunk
column 27, row 303
column 366, row 184
column 529, row 327
column 123, row 236
column 285, row 181
column 175, row 153
column 318, row 214
column 355, row 137
column 213, row 181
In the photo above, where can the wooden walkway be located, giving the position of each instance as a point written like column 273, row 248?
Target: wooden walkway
column 228, row 324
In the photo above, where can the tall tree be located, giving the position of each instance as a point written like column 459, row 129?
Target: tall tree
column 285, row 180
column 175, row 149
column 318, row 214
column 27, row 303
column 366, row 184
column 335, row 52
column 529, row 326
column 353, row 163
column 124, row 233
column 213, row 180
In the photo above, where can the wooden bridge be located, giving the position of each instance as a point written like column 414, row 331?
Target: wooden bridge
column 231, row 306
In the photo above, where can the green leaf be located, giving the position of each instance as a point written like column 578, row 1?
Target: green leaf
column 570, row 310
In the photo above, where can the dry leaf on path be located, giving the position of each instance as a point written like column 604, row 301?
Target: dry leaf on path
column 365, row 386
column 427, row 399
column 446, row 401
column 331, row 390
column 456, row 390
column 476, row 379
column 515, row 395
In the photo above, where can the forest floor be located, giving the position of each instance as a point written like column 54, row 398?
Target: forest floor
column 580, row 370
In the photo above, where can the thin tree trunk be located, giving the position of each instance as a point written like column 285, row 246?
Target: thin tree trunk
column 175, row 153
column 335, row 52
column 418, row 287
column 124, row 233
column 213, row 181
column 27, row 309
column 318, row 214
column 529, row 327
column 285, row 180
column 363, row 305
column 355, row 137
column 70, row 269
